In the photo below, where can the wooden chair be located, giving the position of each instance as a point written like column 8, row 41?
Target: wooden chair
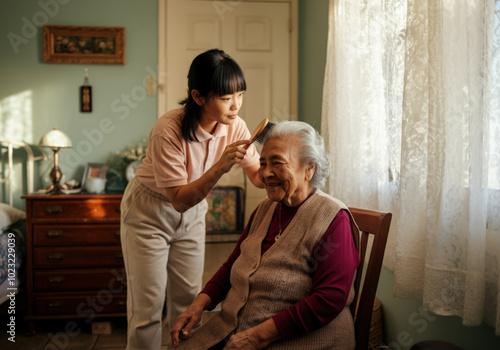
column 375, row 223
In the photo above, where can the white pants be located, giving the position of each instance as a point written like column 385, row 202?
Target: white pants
column 163, row 250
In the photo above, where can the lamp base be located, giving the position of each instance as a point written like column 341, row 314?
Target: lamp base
column 55, row 189
column 55, row 177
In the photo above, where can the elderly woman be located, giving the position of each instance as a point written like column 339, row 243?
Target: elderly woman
column 288, row 282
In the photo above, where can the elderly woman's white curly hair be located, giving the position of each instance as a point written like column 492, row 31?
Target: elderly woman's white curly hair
column 312, row 147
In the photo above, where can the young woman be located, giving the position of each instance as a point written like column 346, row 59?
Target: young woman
column 163, row 208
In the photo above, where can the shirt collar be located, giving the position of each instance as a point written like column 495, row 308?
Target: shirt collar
column 220, row 131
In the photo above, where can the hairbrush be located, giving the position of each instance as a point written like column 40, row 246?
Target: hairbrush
column 260, row 131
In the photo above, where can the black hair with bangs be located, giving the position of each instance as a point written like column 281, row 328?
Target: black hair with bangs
column 212, row 73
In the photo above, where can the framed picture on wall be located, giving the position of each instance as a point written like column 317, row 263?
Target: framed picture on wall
column 75, row 44
column 225, row 216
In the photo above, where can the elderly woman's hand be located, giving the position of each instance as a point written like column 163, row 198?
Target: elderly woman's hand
column 188, row 319
column 244, row 340
column 255, row 338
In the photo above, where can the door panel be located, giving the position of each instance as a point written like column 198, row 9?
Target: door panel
column 257, row 34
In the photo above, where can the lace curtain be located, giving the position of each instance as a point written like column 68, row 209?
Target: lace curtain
column 411, row 117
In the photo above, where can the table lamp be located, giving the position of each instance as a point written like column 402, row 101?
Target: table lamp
column 56, row 140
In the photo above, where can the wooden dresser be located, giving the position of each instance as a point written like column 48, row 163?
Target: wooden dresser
column 74, row 259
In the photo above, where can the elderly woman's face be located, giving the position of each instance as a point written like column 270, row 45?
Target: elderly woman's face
column 286, row 180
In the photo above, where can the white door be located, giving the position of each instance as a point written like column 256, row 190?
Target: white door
column 259, row 35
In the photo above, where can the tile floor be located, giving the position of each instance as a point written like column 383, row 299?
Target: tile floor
column 51, row 335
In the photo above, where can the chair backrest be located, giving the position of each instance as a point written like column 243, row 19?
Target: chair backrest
column 375, row 223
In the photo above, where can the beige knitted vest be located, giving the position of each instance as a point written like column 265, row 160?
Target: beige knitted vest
column 262, row 286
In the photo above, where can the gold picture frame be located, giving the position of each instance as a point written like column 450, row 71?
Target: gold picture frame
column 89, row 45
column 225, row 215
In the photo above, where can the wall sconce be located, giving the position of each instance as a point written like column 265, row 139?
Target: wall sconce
column 56, row 140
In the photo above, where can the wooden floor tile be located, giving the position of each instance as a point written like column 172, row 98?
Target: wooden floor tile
column 22, row 341
column 82, row 341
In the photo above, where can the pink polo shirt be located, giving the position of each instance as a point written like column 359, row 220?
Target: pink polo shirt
column 172, row 161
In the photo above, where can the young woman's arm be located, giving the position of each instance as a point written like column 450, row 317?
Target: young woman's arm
column 253, row 174
column 187, row 196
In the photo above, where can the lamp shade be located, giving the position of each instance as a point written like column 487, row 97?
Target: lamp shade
column 55, row 139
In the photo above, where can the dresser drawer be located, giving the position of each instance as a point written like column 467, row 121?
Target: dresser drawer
column 113, row 279
column 84, row 305
column 77, row 209
column 51, row 235
column 67, row 257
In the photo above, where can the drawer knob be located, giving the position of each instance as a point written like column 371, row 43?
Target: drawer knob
column 56, row 279
column 55, row 304
column 54, row 233
column 53, row 209
column 55, row 257
column 121, row 304
column 119, row 256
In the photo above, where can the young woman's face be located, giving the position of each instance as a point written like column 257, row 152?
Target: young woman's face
column 220, row 109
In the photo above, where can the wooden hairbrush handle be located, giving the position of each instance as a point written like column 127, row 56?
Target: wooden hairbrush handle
column 257, row 131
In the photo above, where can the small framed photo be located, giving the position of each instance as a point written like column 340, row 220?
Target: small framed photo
column 76, row 44
column 225, row 216
column 98, row 170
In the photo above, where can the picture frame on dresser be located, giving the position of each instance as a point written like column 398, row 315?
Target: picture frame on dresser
column 93, row 170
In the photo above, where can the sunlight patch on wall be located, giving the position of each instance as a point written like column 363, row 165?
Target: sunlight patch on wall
column 16, row 121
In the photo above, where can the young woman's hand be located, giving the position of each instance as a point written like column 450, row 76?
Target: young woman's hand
column 188, row 319
column 187, row 196
column 233, row 154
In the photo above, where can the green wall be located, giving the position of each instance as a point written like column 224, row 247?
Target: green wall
column 405, row 323
column 48, row 93
column 313, row 35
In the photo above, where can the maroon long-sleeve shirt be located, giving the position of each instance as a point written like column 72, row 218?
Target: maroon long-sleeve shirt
column 336, row 259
